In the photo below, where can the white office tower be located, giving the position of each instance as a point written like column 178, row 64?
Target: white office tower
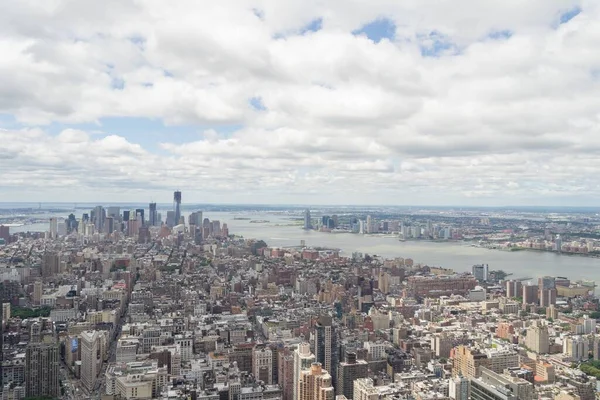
column 262, row 364
column 307, row 219
column 91, row 358
column 303, row 359
column 61, row 229
column 53, row 228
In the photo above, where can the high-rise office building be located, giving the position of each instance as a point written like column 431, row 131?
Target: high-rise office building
column 177, row 204
column 514, row 288
column 557, row 244
column 171, row 219
column 50, row 264
column 5, row 315
column 152, row 215
column 109, row 225
column 99, row 215
column 576, row 347
column 537, row 338
column 72, row 224
column 348, row 371
column 467, row 361
column 42, row 366
column 315, row 384
column 195, row 218
column 126, row 215
column 114, row 212
column 285, row 373
column 53, row 228
column 307, row 219
column 139, row 212
column 481, row 272
column 547, row 282
column 91, row 358
column 262, row 364
column 530, row 294
column 369, row 224
column 5, row 233
column 303, row 359
column 547, row 297
column 326, row 344
column 61, row 229
column 458, row 388
column 37, row 292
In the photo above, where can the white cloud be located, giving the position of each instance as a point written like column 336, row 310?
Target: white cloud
column 512, row 119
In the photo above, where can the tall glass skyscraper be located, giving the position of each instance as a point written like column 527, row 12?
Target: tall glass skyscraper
column 177, row 204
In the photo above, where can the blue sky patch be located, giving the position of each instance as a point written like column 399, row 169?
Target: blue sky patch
column 257, row 104
column 117, row 83
column 313, row 26
column 569, row 15
column 436, row 44
column 381, row 28
column 500, row 35
column 258, row 13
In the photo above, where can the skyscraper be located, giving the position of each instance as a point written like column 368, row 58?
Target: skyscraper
column 262, row 364
column 50, row 264
column 326, row 344
column 349, row 371
column 99, row 216
column 41, row 370
column 481, row 272
column 140, row 213
column 53, row 228
column 152, row 217
column 5, row 233
column 530, row 294
column 109, row 225
column 303, row 359
column 114, row 212
column 171, row 219
column 195, row 218
column 458, row 388
column 91, row 359
column 307, row 220
column 315, row 384
column 177, row 203
column 537, row 338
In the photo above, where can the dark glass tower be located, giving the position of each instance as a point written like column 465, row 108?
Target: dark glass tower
column 177, row 204
column 326, row 345
column 153, row 215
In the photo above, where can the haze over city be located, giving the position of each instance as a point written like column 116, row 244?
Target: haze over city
column 301, row 102
column 299, row 200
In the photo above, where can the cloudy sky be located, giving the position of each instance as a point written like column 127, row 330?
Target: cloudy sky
column 463, row 102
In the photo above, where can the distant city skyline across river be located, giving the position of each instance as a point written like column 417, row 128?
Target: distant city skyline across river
column 282, row 231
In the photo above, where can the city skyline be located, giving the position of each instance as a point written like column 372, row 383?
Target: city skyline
column 302, row 103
